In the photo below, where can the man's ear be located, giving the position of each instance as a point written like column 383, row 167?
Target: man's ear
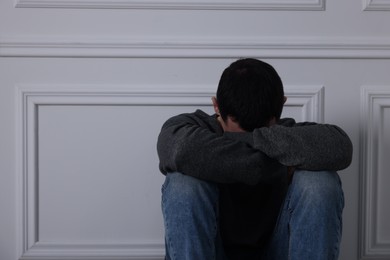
column 215, row 105
column 284, row 99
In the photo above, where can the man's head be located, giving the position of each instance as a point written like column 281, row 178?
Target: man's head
column 250, row 93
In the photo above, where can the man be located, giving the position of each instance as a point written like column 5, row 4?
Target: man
column 245, row 184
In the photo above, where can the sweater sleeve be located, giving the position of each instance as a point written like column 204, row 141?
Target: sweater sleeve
column 188, row 144
column 306, row 146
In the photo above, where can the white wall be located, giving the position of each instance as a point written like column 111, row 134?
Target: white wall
column 85, row 86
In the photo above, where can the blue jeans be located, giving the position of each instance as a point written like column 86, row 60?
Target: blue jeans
column 309, row 225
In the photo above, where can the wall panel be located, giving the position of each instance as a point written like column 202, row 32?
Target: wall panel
column 89, row 185
column 375, row 210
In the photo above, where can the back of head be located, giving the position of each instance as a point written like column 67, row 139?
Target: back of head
column 251, row 92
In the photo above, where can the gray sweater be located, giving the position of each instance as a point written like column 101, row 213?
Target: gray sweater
column 194, row 144
column 250, row 168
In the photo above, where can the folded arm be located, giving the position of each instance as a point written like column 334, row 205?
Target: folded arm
column 306, row 145
column 190, row 144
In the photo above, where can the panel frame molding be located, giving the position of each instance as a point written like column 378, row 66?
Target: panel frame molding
column 296, row 5
column 373, row 99
column 311, row 99
column 270, row 47
column 376, row 5
column 28, row 99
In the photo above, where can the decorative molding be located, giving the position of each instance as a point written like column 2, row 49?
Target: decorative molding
column 30, row 97
column 376, row 5
column 311, row 99
column 374, row 100
column 295, row 5
column 336, row 47
column 77, row 251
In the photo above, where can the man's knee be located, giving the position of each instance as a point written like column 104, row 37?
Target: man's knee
column 188, row 191
column 190, row 211
column 320, row 187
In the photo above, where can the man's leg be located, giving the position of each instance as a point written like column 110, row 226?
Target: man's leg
column 190, row 210
column 310, row 222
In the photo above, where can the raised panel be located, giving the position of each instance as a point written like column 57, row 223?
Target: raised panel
column 89, row 185
column 375, row 138
column 95, row 179
column 184, row 4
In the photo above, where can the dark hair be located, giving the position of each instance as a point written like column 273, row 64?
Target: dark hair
column 251, row 92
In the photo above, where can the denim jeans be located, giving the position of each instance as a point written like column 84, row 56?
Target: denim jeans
column 308, row 228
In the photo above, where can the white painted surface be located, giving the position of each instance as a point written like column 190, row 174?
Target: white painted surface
column 85, row 86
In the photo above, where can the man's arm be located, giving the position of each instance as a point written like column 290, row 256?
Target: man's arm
column 190, row 144
column 306, row 145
